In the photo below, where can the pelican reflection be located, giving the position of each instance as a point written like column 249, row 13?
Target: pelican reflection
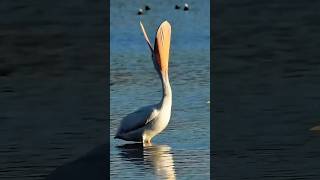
column 315, row 128
column 156, row 157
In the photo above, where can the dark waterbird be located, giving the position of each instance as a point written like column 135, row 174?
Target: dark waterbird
column 140, row 12
column 147, row 8
column 186, row 7
column 176, row 7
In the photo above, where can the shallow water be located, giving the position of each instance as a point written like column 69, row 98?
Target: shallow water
column 266, row 90
column 182, row 150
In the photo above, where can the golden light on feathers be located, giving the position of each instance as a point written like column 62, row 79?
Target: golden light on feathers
column 161, row 49
column 162, row 45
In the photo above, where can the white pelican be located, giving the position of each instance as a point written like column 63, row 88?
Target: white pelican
column 143, row 124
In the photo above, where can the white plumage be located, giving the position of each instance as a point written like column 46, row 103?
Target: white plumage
column 143, row 124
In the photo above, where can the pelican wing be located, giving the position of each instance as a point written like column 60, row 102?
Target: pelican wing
column 137, row 119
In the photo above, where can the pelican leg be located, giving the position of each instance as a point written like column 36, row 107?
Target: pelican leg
column 144, row 139
column 147, row 143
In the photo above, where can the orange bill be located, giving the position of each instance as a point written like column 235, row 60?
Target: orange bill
column 162, row 45
column 146, row 36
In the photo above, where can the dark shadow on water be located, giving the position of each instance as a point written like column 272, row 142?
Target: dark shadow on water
column 93, row 165
column 132, row 152
column 157, row 158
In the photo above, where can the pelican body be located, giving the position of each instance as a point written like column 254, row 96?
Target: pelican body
column 145, row 123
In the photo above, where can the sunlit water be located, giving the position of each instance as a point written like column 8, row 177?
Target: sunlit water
column 182, row 150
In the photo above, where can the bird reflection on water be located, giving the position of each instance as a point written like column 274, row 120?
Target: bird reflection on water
column 156, row 157
column 315, row 129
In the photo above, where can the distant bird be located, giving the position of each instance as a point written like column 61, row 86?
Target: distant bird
column 140, row 12
column 145, row 123
column 177, row 7
column 186, row 7
column 147, row 8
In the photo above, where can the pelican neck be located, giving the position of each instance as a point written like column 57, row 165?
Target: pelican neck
column 166, row 88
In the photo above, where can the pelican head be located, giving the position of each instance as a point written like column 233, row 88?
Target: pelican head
column 161, row 50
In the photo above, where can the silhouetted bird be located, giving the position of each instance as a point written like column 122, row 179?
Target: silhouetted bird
column 177, row 7
column 186, row 7
column 140, row 12
column 147, row 8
